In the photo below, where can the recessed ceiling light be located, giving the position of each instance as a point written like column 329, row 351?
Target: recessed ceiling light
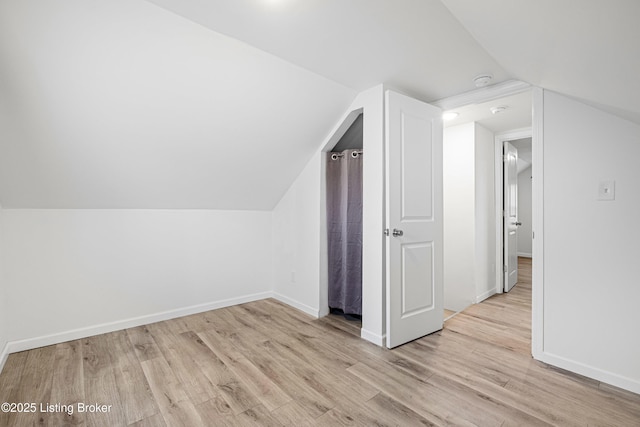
column 449, row 115
column 482, row 80
column 498, row 109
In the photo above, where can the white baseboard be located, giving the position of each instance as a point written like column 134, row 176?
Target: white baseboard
column 591, row 372
column 4, row 355
column 378, row 340
column 74, row 334
column 525, row 255
column 296, row 304
column 364, row 334
column 483, row 296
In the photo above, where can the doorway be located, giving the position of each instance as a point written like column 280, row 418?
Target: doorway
column 425, row 126
column 516, row 205
column 344, row 212
column 473, row 193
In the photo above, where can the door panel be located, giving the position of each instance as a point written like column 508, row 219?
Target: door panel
column 416, row 151
column 414, row 212
column 510, row 216
column 417, row 263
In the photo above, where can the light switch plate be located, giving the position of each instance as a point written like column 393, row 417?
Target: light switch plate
column 607, row 190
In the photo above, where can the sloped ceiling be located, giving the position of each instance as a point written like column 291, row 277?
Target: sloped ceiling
column 588, row 49
column 416, row 46
column 122, row 104
column 219, row 103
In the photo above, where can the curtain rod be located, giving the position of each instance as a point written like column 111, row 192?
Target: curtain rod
column 354, row 154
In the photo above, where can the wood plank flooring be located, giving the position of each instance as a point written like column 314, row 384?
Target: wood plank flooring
column 266, row 364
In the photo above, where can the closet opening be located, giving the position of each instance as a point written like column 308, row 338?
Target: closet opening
column 344, row 193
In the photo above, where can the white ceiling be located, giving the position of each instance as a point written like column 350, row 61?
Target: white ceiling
column 125, row 105
column 417, row 46
column 517, row 114
column 219, row 103
column 587, row 49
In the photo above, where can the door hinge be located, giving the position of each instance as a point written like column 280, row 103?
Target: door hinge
column 504, row 158
column 533, row 234
column 504, row 268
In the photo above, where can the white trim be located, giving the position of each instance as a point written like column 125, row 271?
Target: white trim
column 4, row 355
column 537, row 190
column 591, row 372
column 500, row 139
column 498, row 199
column 340, row 129
column 373, row 338
column 296, row 304
column 483, row 296
column 74, row 334
column 515, row 134
column 525, row 255
column 485, row 94
column 452, row 315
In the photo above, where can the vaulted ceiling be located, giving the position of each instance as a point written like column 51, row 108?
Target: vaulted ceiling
column 587, row 49
column 219, row 103
column 122, row 104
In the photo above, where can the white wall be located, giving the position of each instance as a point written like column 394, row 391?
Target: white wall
column 485, row 226
column 4, row 306
column 299, row 233
column 591, row 289
column 525, row 213
column 191, row 123
column 296, row 241
column 74, row 273
column 459, row 214
column 469, row 215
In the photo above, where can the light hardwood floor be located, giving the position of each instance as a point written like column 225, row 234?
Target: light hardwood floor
column 264, row 363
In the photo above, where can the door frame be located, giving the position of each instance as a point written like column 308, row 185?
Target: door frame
column 497, row 91
column 500, row 139
column 371, row 104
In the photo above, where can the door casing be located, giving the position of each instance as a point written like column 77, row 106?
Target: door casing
column 500, row 139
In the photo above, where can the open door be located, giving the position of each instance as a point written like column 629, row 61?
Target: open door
column 414, row 261
column 510, row 227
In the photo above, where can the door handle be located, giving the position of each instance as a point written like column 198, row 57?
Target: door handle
column 518, row 223
column 397, row 233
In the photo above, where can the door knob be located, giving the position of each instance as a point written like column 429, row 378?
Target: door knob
column 397, row 233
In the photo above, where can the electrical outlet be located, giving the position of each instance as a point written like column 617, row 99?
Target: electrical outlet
column 607, row 190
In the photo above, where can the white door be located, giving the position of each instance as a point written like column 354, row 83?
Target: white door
column 414, row 261
column 510, row 216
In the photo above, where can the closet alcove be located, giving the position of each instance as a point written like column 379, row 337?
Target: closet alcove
column 344, row 223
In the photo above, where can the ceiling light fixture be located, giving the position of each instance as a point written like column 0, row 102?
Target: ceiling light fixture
column 482, row 80
column 498, row 109
column 449, row 115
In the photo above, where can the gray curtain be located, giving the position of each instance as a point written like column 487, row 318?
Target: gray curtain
column 344, row 230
